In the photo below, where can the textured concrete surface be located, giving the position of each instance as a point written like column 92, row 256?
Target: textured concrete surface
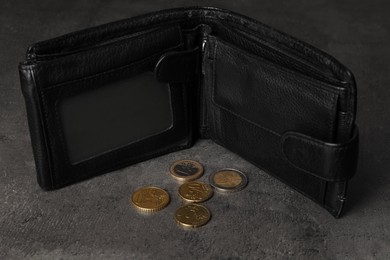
column 267, row 220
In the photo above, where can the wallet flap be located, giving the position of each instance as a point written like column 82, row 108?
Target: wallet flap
column 328, row 161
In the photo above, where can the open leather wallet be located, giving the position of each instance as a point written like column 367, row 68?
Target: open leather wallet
column 113, row 95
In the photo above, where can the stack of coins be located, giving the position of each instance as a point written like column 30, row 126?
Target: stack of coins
column 191, row 192
column 191, row 214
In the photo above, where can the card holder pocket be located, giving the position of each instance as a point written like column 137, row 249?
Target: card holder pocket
column 95, row 122
column 256, row 101
column 269, row 96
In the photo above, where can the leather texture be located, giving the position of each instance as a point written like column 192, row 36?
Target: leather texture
column 328, row 161
column 278, row 102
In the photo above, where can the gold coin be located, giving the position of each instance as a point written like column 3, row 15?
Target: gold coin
column 228, row 180
column 186, row 170
column 192, row 215
column 195, row 191
column 150, row 199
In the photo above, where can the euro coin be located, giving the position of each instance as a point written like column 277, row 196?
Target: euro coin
column 186, row 170
column 192, row 215
column 150, row 199
column 195, row 191
column 228, row 180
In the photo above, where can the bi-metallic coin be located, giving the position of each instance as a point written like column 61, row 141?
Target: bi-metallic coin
column 186, row 170
column 228, row 180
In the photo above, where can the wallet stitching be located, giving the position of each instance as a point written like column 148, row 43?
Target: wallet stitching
column 224, row 108
column 217, row 114
column 215, row 123
column 238, row 34
column 220, row 131
column 182, row 90
column 350, row 114
column 332, row 115
column 42, row 126
column 279, row 68
column 52, row 171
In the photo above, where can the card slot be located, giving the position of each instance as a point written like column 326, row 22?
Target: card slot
column 111, row 41
column 276, row 54
column 139, row 66
column 112, row 56
column 94, row 36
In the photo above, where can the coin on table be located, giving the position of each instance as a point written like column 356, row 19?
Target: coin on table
column 150, row 199
column 195, row 191
column 228, row 180
column 186, row 170
column 192, row 215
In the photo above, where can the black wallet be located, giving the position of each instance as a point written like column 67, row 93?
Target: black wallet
column 106, row 97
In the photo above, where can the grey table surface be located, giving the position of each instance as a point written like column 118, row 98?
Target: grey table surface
column 267, row 220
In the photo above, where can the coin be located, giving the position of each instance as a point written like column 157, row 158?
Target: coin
column 195, row 191
column 192, row 215
column 150, row 199
column 228, row 180
column 186, row 170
